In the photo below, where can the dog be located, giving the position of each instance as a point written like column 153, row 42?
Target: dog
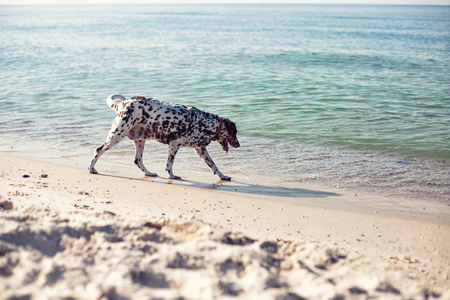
column 140, row 118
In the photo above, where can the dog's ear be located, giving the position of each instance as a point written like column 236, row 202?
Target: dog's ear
column 231, row 128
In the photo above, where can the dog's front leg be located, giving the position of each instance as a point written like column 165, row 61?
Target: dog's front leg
column 173, row 149
column 203, row 153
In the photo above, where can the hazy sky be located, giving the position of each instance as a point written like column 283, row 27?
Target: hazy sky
column 433, row 2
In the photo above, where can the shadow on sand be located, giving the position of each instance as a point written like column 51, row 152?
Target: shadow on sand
column 238, row 187
column 264, row 190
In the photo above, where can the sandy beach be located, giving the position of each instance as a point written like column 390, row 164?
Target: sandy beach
column 340, row 187
column 65, row 233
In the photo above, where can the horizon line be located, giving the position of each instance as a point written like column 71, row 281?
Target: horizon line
column 77, row 3
column 221, row 2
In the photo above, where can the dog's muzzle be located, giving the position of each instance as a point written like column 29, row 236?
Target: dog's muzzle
column 233, row 142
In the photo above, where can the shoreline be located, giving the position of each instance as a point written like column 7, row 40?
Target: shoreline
column 406, row 180
column 419, row 248
column 304, row 193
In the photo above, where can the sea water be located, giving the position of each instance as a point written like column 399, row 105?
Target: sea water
column 350, row 96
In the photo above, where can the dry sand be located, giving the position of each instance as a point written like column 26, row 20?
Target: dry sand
column 65, row 233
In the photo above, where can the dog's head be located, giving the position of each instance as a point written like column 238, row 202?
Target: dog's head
column 228, row 136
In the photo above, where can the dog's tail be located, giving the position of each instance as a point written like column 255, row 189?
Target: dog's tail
column 110, row 100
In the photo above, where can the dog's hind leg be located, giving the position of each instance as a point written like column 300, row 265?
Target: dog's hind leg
column 139, row 146
column 117, row 133
column 173, row 149
column 203, row 153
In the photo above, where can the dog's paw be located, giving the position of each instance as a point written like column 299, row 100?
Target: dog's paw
column 93, row 171
column 151, row 174
column 226, row 178
column 175, row 177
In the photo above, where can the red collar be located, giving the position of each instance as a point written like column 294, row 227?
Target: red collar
column 219, row 130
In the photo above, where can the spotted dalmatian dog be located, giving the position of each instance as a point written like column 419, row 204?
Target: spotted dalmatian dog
column 141, row 118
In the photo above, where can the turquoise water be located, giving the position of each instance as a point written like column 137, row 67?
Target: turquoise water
column 373, row 81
